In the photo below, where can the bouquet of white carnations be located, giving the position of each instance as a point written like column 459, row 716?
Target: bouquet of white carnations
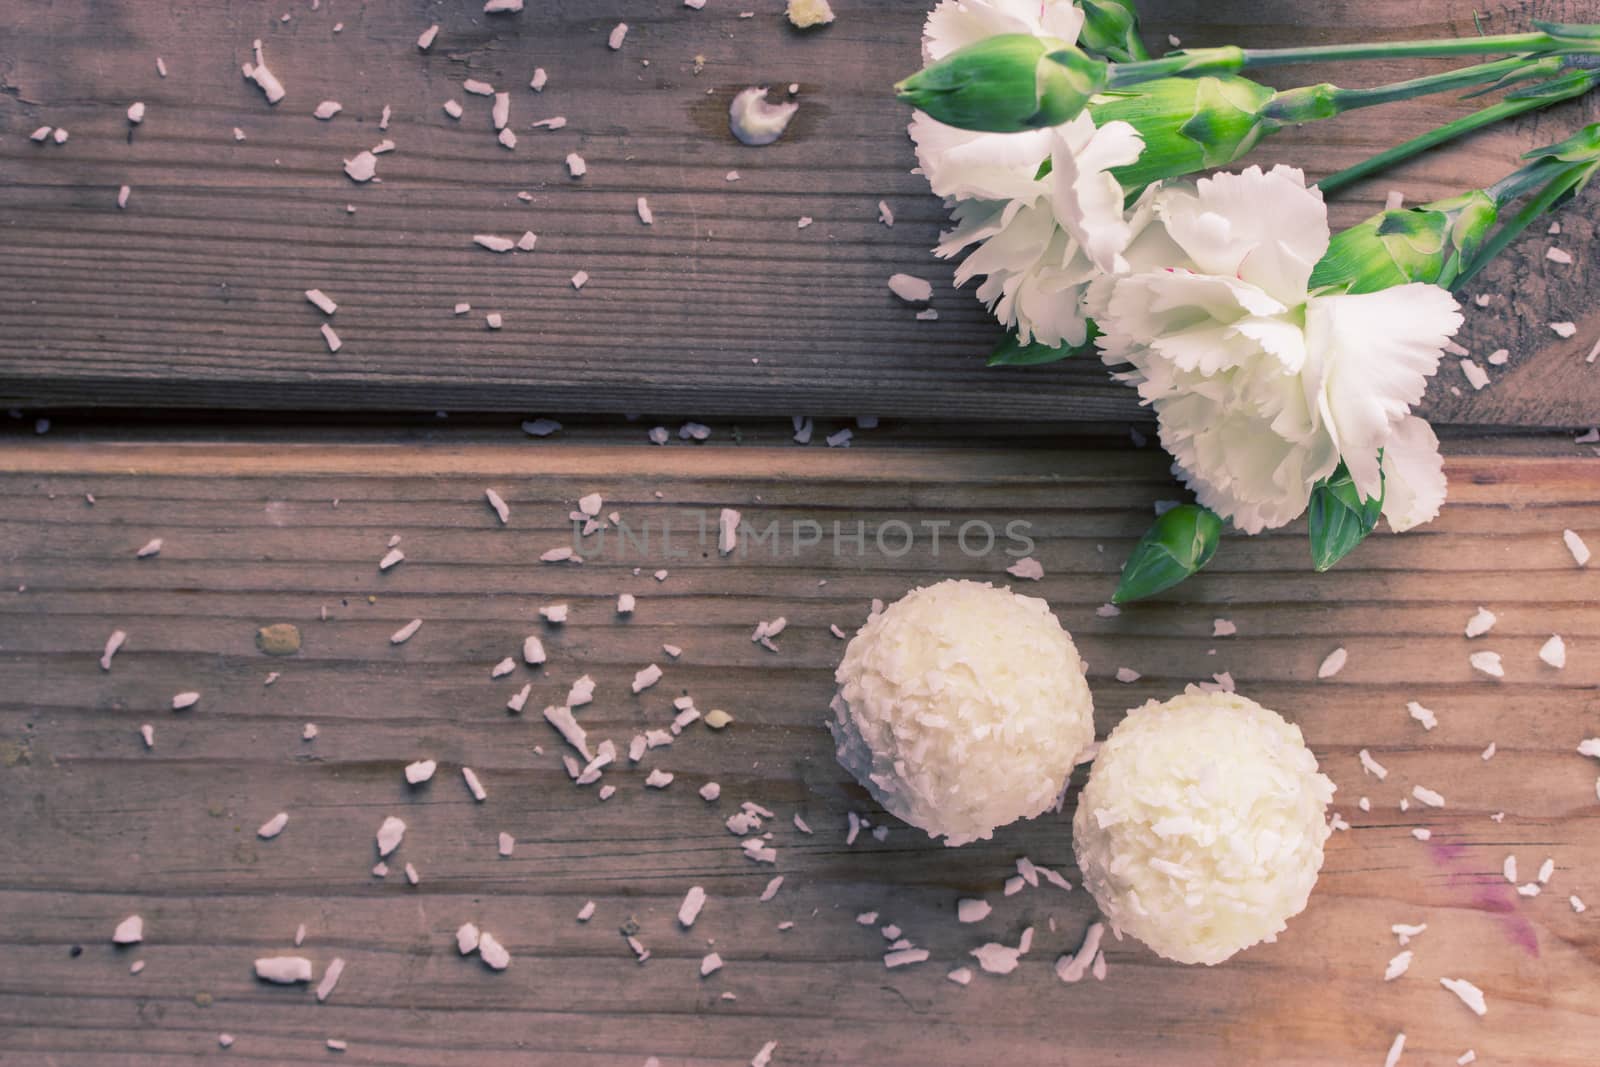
column 1282, row 360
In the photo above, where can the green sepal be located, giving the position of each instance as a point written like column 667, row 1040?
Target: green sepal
column 1177, row 545
column 1340, row 519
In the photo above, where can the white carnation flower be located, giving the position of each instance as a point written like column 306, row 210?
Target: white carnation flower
column 1261, row 387
column 1039, row 241
column 1039, row 250
column 970, row 163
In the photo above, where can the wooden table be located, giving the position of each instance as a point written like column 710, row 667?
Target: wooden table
column 257, row 533
column 192, row 297
column 280, row 488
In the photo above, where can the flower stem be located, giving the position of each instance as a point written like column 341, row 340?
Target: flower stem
column 1501, row 71
column 1572, row 84
column 1311, row 102
column 1548, row 40
column 1565, row 181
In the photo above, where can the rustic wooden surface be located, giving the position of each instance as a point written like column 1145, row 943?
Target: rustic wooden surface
column 97, row 828
column 192, row 296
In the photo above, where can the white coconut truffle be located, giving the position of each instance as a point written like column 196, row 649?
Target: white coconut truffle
column 961, row 708
column 1201, row 828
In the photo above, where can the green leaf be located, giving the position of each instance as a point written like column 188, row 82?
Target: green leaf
column 1012, row 353
column 1176, row 546
column 1340, row 518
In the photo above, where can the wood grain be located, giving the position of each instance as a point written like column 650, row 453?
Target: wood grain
column 98, row 828
column 192, row 296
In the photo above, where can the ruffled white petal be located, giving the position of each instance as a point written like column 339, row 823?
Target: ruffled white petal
column 1268, row 228
column 1369, row 357
column 1226, row 452
column 954, row 24
column 1037, row 265
column 971, row 165
column 1413, row 473
column 1086, row 197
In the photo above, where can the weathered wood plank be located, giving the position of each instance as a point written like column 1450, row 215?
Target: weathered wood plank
column 98, row 828
column 192, row 297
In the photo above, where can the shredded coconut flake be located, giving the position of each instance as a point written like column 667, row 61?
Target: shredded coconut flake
column 1481, row 623
column 1333, row 663
column 1427, row 796
column 268, row 82
column 996, row 958
column 1575, row 545
column 113, row 643
column 129, row 931
column 646, row 678
column 284, row 970
column 911, row 289
column 1427, row 718
column 492, row 952
column 1554, row 652
column 1026, row 568
column 1487, row 663
column 330, row 979
column 754, row 120
column 1470, row 994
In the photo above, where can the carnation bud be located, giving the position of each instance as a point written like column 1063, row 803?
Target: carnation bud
column 1111, row 29
column 1429, row 244
column 1188, row 124
column 1179, row 543
column 1006, row 84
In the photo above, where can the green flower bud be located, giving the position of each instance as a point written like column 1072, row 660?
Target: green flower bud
column 1007, row 83
column 1179, row 543
column 1188, row 124
column 1340, row 519
column 1111, row 29
column 1430, row 244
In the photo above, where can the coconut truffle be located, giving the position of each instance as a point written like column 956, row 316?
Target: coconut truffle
column 1200, row 830
column 961, row 708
